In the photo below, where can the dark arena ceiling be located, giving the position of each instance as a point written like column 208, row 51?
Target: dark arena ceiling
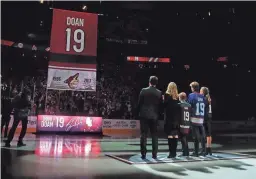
column 173, row 27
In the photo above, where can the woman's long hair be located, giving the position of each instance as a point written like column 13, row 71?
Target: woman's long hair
column 172, row 90
column 206, row 93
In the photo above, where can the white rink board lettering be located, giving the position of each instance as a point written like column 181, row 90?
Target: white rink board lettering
column 120, row 124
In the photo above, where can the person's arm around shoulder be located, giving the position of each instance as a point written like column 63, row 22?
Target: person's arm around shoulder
column 190, row 109
column 161, row 103
column 206, row 102
column 165, row 100
column 190, row 98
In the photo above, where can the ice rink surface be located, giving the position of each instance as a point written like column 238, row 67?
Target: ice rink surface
column 78, row 156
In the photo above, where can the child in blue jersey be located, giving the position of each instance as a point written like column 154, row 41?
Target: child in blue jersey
column 198, row 103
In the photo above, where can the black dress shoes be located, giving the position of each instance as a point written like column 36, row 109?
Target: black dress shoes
column 21, row 144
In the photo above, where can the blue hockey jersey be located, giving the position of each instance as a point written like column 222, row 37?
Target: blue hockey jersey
column 198, row 104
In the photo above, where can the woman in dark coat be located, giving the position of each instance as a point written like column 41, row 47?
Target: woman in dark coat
column 171, row 127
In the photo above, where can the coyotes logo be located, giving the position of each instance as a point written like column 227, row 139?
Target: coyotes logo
column 72, row 81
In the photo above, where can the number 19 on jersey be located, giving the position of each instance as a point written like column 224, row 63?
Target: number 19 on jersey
column 200, row 109
column 186, row 116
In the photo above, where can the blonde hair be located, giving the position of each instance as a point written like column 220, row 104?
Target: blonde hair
column 172, row 90
column 206, row 93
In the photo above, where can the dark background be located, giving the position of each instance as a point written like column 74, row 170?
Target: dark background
column 183, row 31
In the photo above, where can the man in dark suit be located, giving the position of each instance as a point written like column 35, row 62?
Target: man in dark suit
column 22, row 106
column 150, row 100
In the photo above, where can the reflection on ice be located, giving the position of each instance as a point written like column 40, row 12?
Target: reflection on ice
column 60, row 146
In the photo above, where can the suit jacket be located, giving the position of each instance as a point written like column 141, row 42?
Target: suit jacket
column 150, row 102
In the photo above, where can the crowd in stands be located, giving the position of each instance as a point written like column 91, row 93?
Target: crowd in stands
column 119, row 84
column 113, row 98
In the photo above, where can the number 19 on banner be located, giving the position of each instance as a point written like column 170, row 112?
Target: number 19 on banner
column 59, row 122
column 78, row 37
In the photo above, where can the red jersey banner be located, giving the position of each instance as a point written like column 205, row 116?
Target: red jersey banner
column 74, row 33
